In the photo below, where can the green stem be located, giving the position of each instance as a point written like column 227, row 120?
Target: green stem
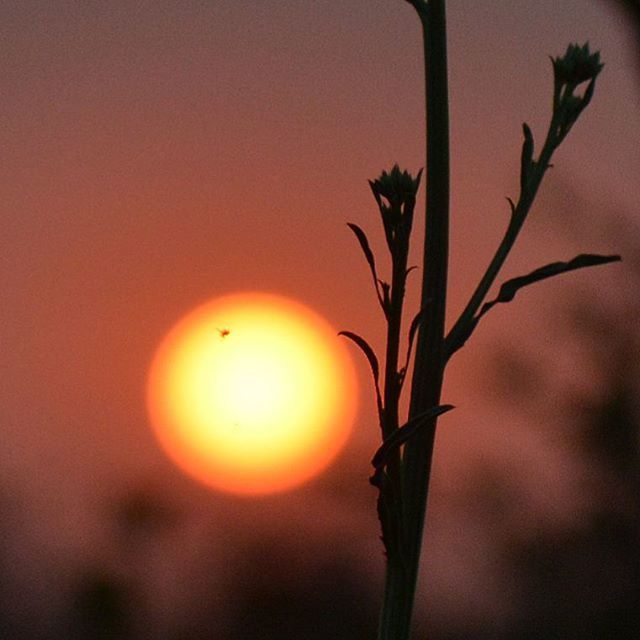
column 395, row 570
column 518, row 216
column 395, row 622
column 404, row 507
column 394, row 327
column 402, row 571
column 508, row 240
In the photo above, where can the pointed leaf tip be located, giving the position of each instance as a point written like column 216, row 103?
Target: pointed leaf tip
column 368, row 254
column 509, row 289
column 413, row 329
column 367, row 350
column 526, row 159
column 405, row 432
column 373, row 364
column 364, row 243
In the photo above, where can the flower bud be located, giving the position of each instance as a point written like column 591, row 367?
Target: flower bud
column 397, row 187
column 395, row 193
column 577, row 65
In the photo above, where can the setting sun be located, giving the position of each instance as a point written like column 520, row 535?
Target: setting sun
column 252, row 393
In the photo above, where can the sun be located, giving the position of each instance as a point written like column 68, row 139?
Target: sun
column 252, row 393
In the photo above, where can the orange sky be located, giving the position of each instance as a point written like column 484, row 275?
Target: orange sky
column 157, row 154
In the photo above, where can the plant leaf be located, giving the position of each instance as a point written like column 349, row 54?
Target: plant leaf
column 409, row 270
column 366, row 349
column 526, row 157
column 373, row 363
column 404, row 433
column 364, row 244
column 368, row 254
column 454, row 342
column 386, row 296
column 388, row 505
column 415, row 324
column 509, row 289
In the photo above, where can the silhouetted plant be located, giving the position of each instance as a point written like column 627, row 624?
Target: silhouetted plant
column 402, row 463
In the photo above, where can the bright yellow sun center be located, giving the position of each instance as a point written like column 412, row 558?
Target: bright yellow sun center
column 252, row 393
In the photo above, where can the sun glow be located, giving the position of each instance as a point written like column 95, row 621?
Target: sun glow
column 252, row 393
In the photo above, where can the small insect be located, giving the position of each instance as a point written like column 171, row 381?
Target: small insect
column 224, row 332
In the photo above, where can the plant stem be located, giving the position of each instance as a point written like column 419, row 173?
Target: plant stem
column 402, row 571
column 391, row 380
column 403, row 478
column 519, row 214
column 390, row 419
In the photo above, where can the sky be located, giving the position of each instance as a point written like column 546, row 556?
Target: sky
column 158, row 154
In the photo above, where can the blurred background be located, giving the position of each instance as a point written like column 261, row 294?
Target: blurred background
column 157, row 154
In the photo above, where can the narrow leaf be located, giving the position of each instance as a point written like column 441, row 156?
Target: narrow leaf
column 588, row 94
column 509, row 289
column 388, row 505
column 526, row 157
column 456, row 341
column 376, row 195
column 364, row 243
column 366, row 349
column 404, row 433
column 368, row 254
column 386, row 296
column 373, row 363
column 409, row 270
column 415, row 324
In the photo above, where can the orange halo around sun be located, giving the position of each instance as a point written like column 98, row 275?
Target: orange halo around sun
column 252, row 393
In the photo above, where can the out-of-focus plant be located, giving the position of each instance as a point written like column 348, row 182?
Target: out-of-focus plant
column 402, row 464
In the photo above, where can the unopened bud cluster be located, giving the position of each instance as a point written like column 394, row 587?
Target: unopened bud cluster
column 578, row 65
column 395, row 193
